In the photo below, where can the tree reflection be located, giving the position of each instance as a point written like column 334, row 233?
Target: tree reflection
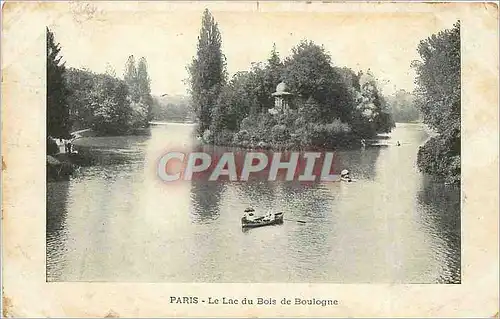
column 443, row 218
column 205, row 200
column 360, row 162
column 56, row 213
column 256, row 192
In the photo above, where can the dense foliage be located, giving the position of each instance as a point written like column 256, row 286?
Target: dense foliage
column 78, row 99
column 175, row 108
column 138, row 82
column 100, row 102
column 403, row 107
column 329, row 105
column 207, row 72
column 58, row 124
column 107, row 104
column 438, row 98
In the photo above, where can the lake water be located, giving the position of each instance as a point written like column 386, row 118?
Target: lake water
column 117, row 222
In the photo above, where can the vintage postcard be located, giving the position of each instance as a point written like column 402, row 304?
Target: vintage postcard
column 250, row 159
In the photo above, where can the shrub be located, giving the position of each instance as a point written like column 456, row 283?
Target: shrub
column 435, row 157
column 207, row 137
column 241, row 136
column 280, row 133
column 223, row 137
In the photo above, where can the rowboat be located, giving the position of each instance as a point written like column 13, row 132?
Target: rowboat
column 277, row 218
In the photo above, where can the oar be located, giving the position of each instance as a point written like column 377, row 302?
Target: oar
column 294, row 220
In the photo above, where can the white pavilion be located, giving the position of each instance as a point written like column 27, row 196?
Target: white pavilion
column 282, row 98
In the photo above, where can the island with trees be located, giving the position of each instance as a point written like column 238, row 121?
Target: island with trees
column 301, row 101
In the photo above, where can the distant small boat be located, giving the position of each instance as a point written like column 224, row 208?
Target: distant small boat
column 277, row 218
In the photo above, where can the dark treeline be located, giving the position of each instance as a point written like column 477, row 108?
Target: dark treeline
column 175, row 108
column 58, row 122
column 438, row 98
column 328, row 105
column 78, row 99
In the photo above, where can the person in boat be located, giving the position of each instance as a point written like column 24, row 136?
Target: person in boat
column 250, row 216
column 269, row 216
column 344, row 175
column 398, row 144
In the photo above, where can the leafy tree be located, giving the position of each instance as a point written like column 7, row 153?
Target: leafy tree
column 310, row 111
column 438, row 80
column 144, row 88
column 143, row 80
column 350, row 78
column 138, row 83
column 371, row 115
column 235, row 102
column 110, row 70
column 248, row 92
column 258, row 88
column 80, row 84
column 102, row 102
column 275, row 64
column 438, row 98
column 131, row 79
column 207, row 71
column 309, row 73
column 58, row 124
column 273, row 75
column 112, row 109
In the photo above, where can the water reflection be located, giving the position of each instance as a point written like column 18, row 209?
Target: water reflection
column 440, row 205
column 117, row 222
column 57, row 195
column 361, row 162
column 205, row 200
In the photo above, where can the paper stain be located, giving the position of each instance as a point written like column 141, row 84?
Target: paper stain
column 4, row 166
column 112, row 314
column 84, row 11
column 7, row 307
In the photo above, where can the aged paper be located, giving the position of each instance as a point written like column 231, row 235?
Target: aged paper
column 130, row 247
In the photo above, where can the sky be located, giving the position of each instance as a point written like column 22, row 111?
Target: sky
column 383, row 40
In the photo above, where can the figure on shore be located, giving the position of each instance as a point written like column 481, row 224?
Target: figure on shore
column 68, row 147
column 344, row 176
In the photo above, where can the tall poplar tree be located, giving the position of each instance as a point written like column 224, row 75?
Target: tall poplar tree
column 130, row 78
column 144, row 88
column 207, row 71
column 58, row 125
